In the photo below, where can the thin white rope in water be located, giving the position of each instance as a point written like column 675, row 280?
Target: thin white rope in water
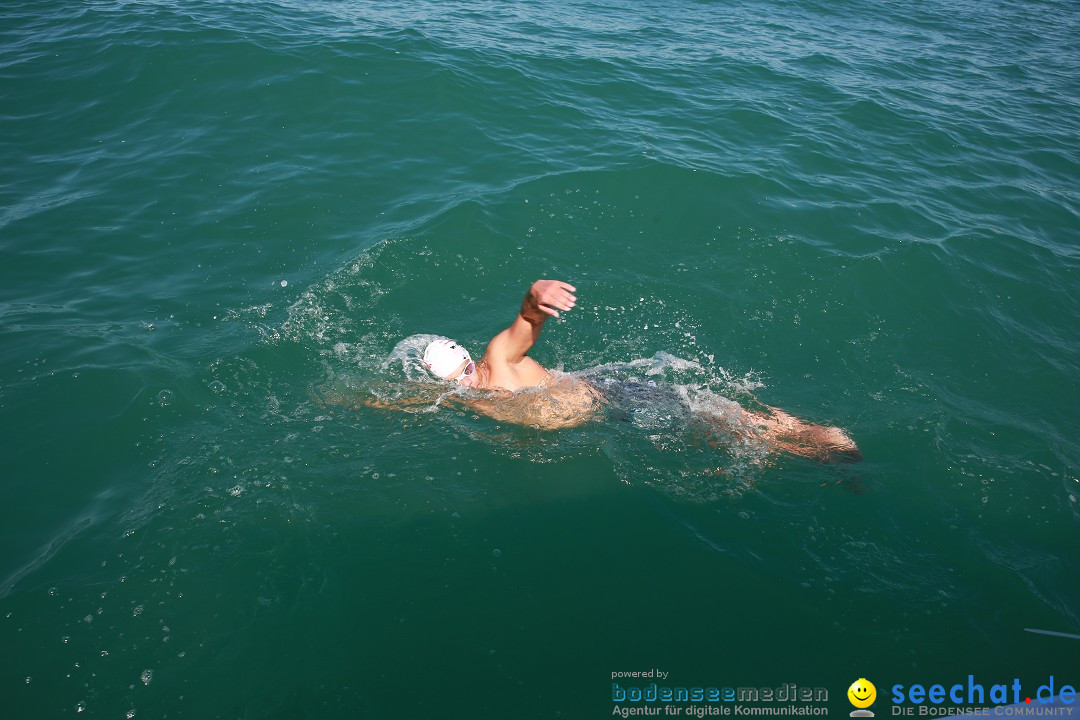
column 1052, row 632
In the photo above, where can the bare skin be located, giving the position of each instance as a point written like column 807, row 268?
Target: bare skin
column 524, row 392
column 505, row 364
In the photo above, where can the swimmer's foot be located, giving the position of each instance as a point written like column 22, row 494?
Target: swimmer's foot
column 841, row 455
column 832, row 445
column 817, row 442
column 822, row 453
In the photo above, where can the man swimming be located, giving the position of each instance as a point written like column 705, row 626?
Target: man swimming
column 522, row 391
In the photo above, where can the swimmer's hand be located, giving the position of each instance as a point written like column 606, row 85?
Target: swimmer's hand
column 548, row 297
column 380, row 404
column 408, row 401
column 544, row 300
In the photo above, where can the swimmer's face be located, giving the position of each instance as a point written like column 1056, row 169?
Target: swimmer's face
column 464, row 375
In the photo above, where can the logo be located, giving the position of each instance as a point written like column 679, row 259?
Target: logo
column 862, row 694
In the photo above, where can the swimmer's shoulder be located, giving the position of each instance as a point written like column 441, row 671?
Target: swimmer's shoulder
column 513, row 377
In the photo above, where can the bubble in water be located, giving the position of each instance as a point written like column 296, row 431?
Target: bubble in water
column 80, row 706
column 147, row 676
column 131, row 713
column 165, row 398
column 217, row 387
column 137, row 611
column 284, row 283
column 496, row 552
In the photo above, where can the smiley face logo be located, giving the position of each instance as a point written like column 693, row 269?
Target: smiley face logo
column 862, row 693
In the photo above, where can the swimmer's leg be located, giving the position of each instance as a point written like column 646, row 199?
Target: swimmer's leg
column 818, row 442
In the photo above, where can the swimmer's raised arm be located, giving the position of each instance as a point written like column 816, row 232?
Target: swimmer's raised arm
column 545, row 299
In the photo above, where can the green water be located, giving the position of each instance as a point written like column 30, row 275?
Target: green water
column 219, row 220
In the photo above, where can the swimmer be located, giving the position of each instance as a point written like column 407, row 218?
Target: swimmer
column 521, row 390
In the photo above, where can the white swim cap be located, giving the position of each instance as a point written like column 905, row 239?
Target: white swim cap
column 443, row 357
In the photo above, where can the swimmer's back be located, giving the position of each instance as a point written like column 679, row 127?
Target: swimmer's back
column 563, row 401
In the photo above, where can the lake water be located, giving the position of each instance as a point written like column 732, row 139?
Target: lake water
column 219, row 220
